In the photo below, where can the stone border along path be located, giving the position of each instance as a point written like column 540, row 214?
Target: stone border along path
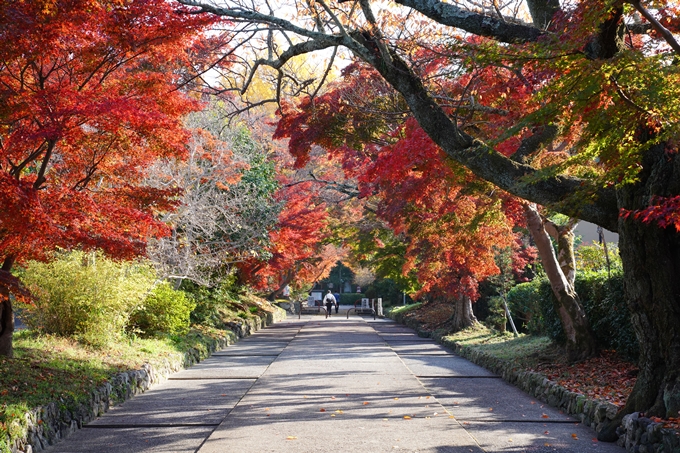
column 334, row 385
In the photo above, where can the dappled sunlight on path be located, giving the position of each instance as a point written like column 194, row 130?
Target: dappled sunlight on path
column 334, row 385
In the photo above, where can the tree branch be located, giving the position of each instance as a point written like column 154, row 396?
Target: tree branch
column 660, row 29
column 478, row 24
column 491, row 166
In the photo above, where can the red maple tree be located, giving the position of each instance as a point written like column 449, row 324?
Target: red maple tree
column 452, row 219
column 88, row 98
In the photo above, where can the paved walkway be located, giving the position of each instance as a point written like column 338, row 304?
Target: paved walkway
column 334, row 385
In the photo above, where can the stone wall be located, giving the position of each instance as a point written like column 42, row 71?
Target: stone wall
column 49, row 424
column 637, row 434
column 642, row 435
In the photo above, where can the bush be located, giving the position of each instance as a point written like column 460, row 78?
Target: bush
column 602, row 299
column 350, row 298
column 531, row 306
column 211, row 303
column 164, row 310
column 84, row 295
column 592, row 258
column 388, row 290
column 497, row 318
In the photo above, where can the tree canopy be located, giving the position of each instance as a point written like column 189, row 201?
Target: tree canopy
column 571, row 106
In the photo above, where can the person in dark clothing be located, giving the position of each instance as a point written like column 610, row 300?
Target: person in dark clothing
column 329, row 301
column 337, row 302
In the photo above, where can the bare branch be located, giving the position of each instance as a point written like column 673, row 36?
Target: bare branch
column 663, row 31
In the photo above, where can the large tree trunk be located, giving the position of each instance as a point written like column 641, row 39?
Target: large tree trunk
column 581, row 342
column 462, row 314
column 651, row 263
column 6, row 313
column 6, row 325
column 286, row 279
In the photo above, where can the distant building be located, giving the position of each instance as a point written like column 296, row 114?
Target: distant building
column 588, row 233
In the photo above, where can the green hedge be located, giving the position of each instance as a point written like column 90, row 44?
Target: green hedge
column 602, row 298
column 350, row 298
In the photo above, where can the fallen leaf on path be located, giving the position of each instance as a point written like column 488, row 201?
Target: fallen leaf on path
column 322, row 410
column 291, row 438
column 365, row 403
column 545, row 416
column 406, row 417
column 575, row 436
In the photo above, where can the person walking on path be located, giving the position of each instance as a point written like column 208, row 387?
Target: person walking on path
column 329, row 300
column 337, row 302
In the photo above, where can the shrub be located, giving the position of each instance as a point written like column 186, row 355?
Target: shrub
column 84, row 295
column 497, row 318
column 602, row 299
column 592, row 258
column 164, row 310
column 386, row 289
column 211, row 303
column 531, row 306
column 350, row 298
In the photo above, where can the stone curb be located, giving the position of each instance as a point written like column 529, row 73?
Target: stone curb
column 637, row 434
column 53, row 422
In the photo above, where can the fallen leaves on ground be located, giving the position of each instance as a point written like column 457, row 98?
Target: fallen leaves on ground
column 671, row 423
column 606, row 377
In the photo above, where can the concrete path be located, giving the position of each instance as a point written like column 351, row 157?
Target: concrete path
column 334, row 385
